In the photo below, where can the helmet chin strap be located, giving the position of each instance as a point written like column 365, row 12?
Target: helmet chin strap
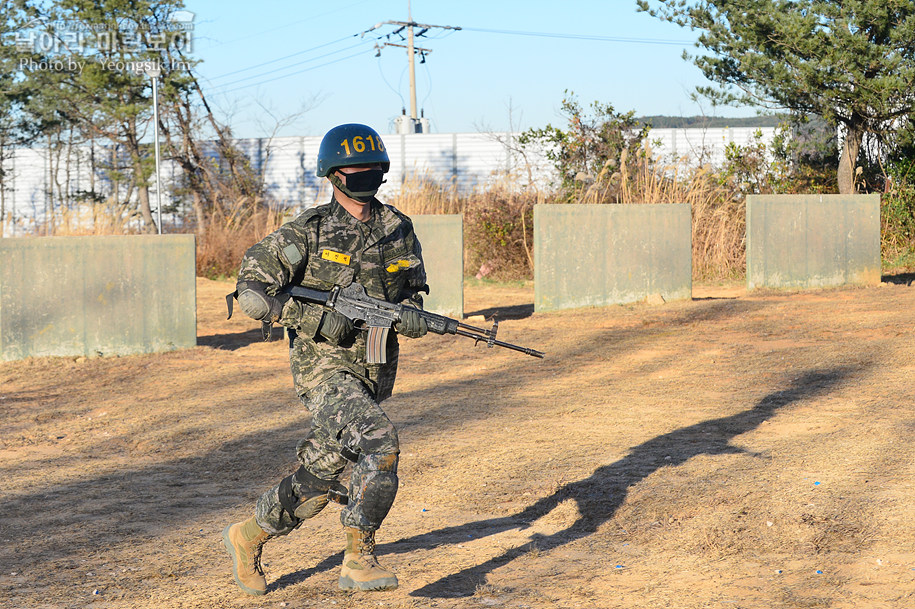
column 365, row 196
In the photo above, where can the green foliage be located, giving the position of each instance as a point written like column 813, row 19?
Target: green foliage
column 897, row 213
column 711, row 122
column 83, row 80
column 13, row 95
column 851, row 63
column 591, row 147
column 751, row 169
column 800, row 159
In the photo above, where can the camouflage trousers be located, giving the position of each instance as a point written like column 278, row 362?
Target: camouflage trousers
column 346, row 419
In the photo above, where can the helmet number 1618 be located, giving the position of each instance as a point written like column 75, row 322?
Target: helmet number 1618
column 359, row 144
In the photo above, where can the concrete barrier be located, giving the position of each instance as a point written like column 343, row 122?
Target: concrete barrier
column 595, row 255
column 812, row 241
column 96, row 295
column 442, row 238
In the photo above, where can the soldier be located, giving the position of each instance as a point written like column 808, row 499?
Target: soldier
column 352, row 238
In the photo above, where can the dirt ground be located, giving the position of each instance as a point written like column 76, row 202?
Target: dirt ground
column 735, row 450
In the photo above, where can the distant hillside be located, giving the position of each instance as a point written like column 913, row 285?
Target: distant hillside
column 697, row 122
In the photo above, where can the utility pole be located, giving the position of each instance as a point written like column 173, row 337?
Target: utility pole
column 411, row 54
column 409, row 25
column 154, row 71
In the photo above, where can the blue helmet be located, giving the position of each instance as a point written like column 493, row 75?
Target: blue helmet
column 351, row 144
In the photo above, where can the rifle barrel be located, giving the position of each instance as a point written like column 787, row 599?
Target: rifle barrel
column 499, row 343
column 482, row 331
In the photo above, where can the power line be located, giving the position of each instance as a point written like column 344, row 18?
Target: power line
column 381, row 72
column 429, row 92
column 580, row 36
column 286, row 25
column 320, row 46
column 254, row 84
column 408, row 25
column 449, row 32
column 309, row 60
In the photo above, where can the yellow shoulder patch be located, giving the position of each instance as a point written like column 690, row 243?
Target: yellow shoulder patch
column 335, row 257
column 396, row 266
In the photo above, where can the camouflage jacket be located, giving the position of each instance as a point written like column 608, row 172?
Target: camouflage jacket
column 326, row 246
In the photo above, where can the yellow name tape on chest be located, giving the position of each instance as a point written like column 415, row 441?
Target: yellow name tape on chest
column 335, row 257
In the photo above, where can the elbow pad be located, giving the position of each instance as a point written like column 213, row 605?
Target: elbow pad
column 254, row 301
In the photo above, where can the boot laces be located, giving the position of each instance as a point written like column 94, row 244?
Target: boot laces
column 367, row 548
column 256, row 549
column 367, row 545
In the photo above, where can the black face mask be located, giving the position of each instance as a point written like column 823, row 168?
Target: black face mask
column 361, row 185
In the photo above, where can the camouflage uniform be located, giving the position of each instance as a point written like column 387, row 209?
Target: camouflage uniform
column 324, row 247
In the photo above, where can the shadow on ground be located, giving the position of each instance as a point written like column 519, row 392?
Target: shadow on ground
column 899, row 279
column 599, row 496
column 503, row 313
column 237, row 340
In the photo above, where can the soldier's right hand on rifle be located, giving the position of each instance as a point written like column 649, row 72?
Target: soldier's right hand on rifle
column 335, row 327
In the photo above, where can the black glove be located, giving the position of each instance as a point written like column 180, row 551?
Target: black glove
column 336, row 327
column 412, row 324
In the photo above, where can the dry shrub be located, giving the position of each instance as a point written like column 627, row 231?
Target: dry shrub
column 719, row 237
column 718, row 221
column 90, row 219
column 230, row 231
column 718, row 216
column 498, row 220
column 897, row 217
column 498, row 223
column 498, row 234
column 420, row 194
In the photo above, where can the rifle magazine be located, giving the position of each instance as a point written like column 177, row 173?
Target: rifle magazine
column 376, row 345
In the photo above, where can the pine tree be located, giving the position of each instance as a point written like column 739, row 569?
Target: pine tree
column 851, row 62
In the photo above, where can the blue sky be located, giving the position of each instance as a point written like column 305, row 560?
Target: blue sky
column 276, row 58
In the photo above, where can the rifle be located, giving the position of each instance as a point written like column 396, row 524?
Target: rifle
column 378, row 316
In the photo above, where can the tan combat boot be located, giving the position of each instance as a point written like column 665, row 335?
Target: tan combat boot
column 361, row 570
column 244, row 541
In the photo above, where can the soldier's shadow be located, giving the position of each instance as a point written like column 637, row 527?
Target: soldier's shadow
column 232, row 341
column 599, row 496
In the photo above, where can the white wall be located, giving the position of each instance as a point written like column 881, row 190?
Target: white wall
column 470, row 160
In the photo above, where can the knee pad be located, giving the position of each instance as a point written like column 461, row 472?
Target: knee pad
column 379, row 486
column 311, row 497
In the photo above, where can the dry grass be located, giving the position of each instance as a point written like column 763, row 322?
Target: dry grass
column 421, row 194
column 230, row 232
column 109, row 218
column 718, row 213
column 498, row 222
column 719, row 220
